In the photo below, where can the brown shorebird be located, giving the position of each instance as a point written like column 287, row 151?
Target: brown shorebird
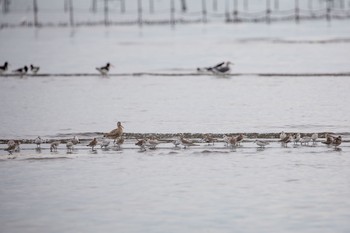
column 141, row 143
column 70, row 146
column 337, row 141
column 261, row 144
column 208, row 138
column 12, row 146
column 120, row 141
column 287, row 139
column 152, row 142
column 186, row 142
column 92, row 144
column 296, row 138
column 54, row 145
column 232, row 141
column 329, row 140
column 239, row 139
column 115, row 133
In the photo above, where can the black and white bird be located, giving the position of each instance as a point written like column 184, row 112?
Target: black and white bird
column 4, row 68
column 34, row 69
column 104, row 69
column 222, row 68
column 38, row 142
column 21, row 71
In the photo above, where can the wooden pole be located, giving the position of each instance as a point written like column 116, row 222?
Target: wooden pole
column 297, row 17
column 94, row 6
column 235, row 10
column 268, row 11
column 215, row 5
column 151, row 6
column 139, row 7
column 227, row 11
column 277, row 4
column 172, row 13
column 106, row 12
column 246, row 5
column 35, row 10
column 71, row 13
column 183, row 6
column 204, row 11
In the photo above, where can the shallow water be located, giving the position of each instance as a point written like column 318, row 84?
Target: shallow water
column 302, row 189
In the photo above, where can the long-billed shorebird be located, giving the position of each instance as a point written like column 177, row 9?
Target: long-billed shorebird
column 115, row 133
column 92, row 144
column 21, row 71
column 4, row 68
column 34, row 69
column 104, row 70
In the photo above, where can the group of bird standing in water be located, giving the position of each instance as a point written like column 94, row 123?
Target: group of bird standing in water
column 151, row 143
column 221, row 68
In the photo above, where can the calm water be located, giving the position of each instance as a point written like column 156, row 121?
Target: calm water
column 303, row 189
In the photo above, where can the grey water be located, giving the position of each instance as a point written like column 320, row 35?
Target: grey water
column 205, row 189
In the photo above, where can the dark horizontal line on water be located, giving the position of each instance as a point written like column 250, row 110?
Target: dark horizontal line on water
column 168, row 137
column 345, row 74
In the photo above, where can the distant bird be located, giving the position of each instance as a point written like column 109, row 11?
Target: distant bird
column 38, row 142
column 337, row 141
column 296, row 138
column 314, row 137
column 34, row 69
column 209, row 69
column 222, row 69
column 287, row 139
column 329, row 140
column 21, row 71
column 120, row 141
column 208, row 138
column 92, row 144
column 176, row 142
column 226, row 139
column 141, row 143
column 115, row 133
column 152, row 143
column 305, row 140
column 104, row 143
column 75, row 140
column 104, row 70
column 261, row 143
column 232, row 141
column 4, row 68
column 54, row 145
column 12, row 146
column 239, row 139
column 186, row 142
column 70, row 146
column 282, row 135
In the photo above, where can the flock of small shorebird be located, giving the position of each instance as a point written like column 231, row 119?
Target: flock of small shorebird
column 221, row 68
column 151, row 143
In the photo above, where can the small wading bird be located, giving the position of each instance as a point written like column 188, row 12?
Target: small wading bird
column 104, row 70
column 104, row 143
column 221, row 68
column 314, row 137
column 13, row 146
column 34, row 69
column 296, row 138
column 239, row 139
column 119, row 142
column 208, row 138
column 232, row 141
column 70, row 146
column 186, row 142
column 305, row 140
column 75, row 140
column 92, row 144
column 21, row 71
column 4, row 68
column 329, row 140
column 152, row 142
column 54, row 145
column 141, row 143
column 337, row 141
column 38, row 142
column 261, row 143
column 115, row 133
column 287, row 139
